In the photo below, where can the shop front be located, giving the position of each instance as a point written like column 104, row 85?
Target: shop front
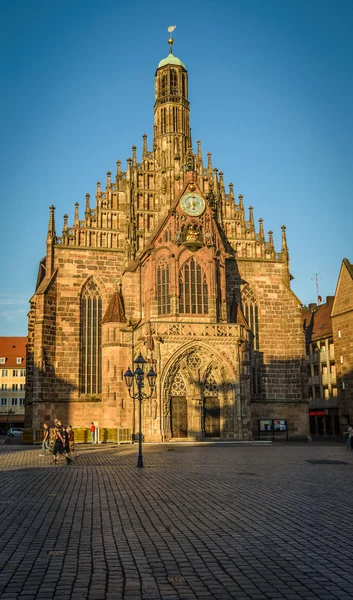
column 324, row 422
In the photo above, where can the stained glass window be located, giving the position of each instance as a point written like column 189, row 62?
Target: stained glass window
column 193, row 289
column 163, row 297
column 251, row 313
column 91, row 337
column 173, row 82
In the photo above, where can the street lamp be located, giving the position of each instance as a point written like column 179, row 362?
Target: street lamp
column 139, row 376
column 11, row 413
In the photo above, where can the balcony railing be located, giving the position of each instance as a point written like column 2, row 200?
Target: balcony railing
column 327, row 355
column 313, row 358
column 329, row 378
column 17, row 410
column 322, row 403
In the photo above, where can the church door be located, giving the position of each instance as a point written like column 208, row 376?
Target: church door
column 179, row 419
column 212, row 416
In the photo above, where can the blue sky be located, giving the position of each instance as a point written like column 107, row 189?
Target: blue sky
column 271, row 92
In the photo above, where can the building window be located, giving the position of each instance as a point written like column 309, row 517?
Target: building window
column 251, row 313
column 2, row 360
column 91, row 336
column 22, row 401
column 164, row 90
column 3, row 401
column 341, row 359
column 15, row 387
column 193, row 289
column 4, row 386
column 14, row 402
column 183, row 85
column 18, row 361
column 4, row 373
column 339, row 333
column 164, row 120
column 173, row 82
column 175, row 118
column 15, row 373
column 163, row 297
column 22, row 386
column 23, row 373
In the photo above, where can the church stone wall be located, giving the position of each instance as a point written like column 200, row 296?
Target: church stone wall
column 281, row 336
column 296, row 414
column 75, row 267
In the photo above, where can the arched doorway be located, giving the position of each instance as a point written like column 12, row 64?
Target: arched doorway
column 179, row 409
column 211, row 407
column 199, row 397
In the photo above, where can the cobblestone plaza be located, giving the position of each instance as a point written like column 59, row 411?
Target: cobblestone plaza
column 197, row 522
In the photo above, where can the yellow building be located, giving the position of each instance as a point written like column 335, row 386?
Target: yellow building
column 12, row 381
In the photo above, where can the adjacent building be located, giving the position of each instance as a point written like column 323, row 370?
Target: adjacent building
column 320, row 354
column 168, row 263
column 329, row 351
column 12, row 381
column 342, row 332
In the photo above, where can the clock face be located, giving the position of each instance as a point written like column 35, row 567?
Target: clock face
column 193, row 204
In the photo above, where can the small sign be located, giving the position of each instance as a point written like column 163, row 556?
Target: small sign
column 280, row 425
column 318, row 413
column 266, row 425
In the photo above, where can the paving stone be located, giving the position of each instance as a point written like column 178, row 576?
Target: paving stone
column 105, row 530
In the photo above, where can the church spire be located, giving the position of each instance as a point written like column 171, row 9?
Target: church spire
column 171, row 111
column 284, row 249
column 145, row 149
column 51, row 237
column 51, row 225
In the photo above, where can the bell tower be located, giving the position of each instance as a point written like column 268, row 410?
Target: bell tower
column 171, row 110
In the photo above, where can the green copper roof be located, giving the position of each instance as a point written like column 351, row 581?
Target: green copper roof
column 171, row 60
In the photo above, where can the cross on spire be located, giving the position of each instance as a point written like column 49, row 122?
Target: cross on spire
column 171, row 41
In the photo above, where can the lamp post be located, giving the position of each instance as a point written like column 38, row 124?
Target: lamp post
column 139, row 376
column 11, row 413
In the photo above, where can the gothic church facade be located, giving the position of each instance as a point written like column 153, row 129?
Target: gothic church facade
column 166, row 264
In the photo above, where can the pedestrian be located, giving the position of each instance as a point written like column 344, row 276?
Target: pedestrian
column 46, row 440
column 93, row 433
column 349, row 438
column 59, row 442
column 66, row 445
column 71, row 438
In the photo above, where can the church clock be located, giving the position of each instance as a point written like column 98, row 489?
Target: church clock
column 193, row 204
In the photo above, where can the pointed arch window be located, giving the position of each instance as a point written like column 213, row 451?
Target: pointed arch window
column 164, row 85
column 183, row 85
column 163, row 296
column 251, row 313
column 173, row 82
column 193, row 289
column 91, row 339
column 175, row 118
column 164, row 120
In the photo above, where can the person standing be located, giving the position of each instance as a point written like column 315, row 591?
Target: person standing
column 93, row 433
column 66, row 445
column 59, row 443
column 71, row 438
column 349, row 438
column 46, row 440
